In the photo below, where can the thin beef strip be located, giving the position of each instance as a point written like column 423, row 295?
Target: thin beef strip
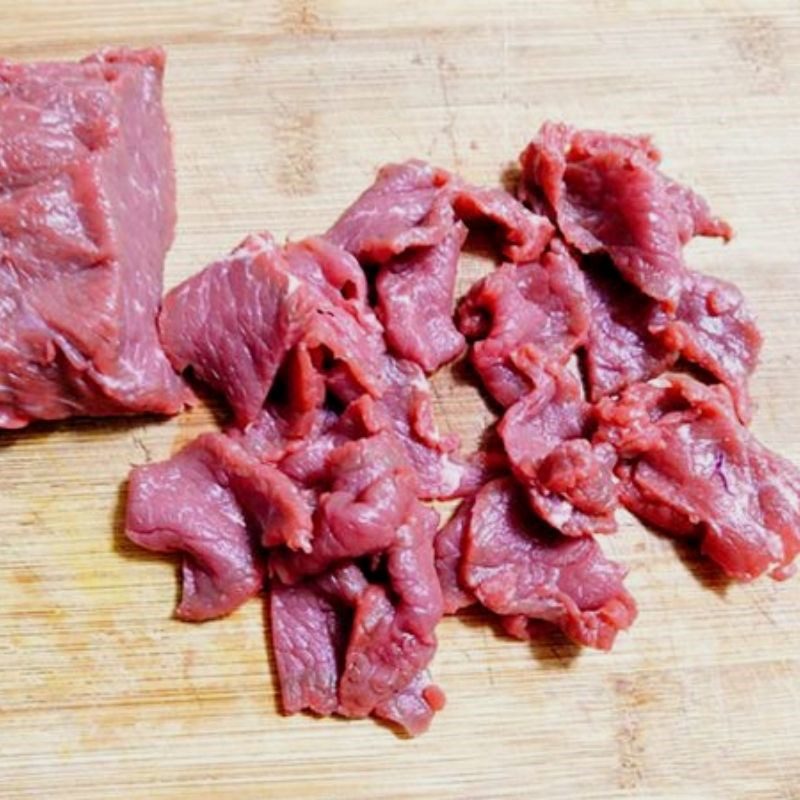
column 689, row 467
column 518, row 566
column 606, row 193
column 568, row 480
column 540, row 308
column 713, row 328
column 234, row 322
column 620, row 347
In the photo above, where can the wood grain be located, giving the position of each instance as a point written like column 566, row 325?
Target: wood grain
column 281, row 112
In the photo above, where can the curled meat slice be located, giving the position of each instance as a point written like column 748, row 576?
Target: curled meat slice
column 691, row 468
column 234, row 322
column 390, row 643
column 415, row 302
column 607, row 194
column 516, row 565
column 537, row 311
column 370, row 494
column 448, row 546
column 211, row 502
column 569, row 480
column 713, row 328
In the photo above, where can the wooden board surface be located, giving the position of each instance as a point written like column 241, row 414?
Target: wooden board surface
column 281, row 112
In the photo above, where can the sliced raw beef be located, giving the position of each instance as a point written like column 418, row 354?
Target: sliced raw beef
column 234, row 322
column 448, row 546
column 517, row 565
column 309, row 634
column 406, row 222
column 87, row 213
column 523, row 234
column 407, row 402
column 606, row 193
column 569, row 481
column 414, row 707
column 315, row 630
column 621, row 348
column 713, row 329
column 322, row 347
column 415, row 302
column 343, row 337
column 691, row 468
column 407, row 206
column 211, row 502
column 391, row 642
column 533, row 313
column 370, row 495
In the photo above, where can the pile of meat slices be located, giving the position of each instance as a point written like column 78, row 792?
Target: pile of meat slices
column 620, row 376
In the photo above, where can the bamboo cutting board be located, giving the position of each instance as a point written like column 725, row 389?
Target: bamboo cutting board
column 281, row 112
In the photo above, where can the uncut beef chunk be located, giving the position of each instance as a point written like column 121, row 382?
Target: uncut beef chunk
column 524, row 315
column 690, row 468
column 519, row 567
column 606, row 194
column 87, row 213
column 713, row 328
column 568, row 480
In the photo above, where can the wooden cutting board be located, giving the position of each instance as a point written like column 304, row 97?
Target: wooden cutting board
column 281, row 113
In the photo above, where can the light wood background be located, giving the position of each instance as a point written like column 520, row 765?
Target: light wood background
column 281, row 112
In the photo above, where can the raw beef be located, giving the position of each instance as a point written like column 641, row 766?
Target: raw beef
column 713, row 329
column 415, row 302
column 516, row 565
column 322, row 346
column 234, row 322
column 524, row 316
column 407, row 222
column 448, row 546
column 569, row 481
column 691, row 468
column 606, row 193
column 370, row 495
column 392, row 642
column 523, row 234
column 408, row 206
column 620, row 348
column 87, row 213
column 193, row 504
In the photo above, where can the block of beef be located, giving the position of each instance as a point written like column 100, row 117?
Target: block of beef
column 87, row 213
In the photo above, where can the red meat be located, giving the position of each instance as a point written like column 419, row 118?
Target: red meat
column 516, row 565
column 87, row 213
column 691, row 468
column 569, row 481
column 606, row 194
